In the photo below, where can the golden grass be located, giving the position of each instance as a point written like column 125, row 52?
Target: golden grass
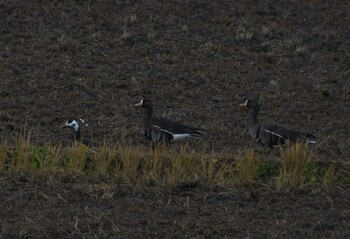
column 330, row 177
column 23, row 154
column 76, row 158
column 208, row 169
column 182, row 167
column 294, row 167
column 130, row 165
column 128, row 161
column 102, row 161
column 248, row 165
column 4, row 148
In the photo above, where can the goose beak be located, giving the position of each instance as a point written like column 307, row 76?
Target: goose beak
column 243, row 104
column 139, row 104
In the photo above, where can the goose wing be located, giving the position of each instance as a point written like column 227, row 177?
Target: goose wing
column 272, row 134
column 173, row 127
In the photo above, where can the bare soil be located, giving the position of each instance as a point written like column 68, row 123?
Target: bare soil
column 197, row 61
column 31, row 209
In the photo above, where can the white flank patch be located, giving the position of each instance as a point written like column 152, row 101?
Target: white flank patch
column 176, row 137
column 311, row 141
column 274, row 133
column 180, row 136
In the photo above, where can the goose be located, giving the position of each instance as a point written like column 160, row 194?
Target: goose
column 76, row 137
column 163, row 130
column 272, row 134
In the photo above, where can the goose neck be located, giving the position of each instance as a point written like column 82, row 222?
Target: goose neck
column 254, row 115
column 77, row 134
column 147, row 116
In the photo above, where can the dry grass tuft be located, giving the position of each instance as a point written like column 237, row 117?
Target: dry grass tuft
column 294, row 165
column 126, row 164
column 330, row 177
column 296, row 45
column 181, row 167
column 76, row 158
column 242, row 33
column 248, row 165
column 270, row 30
column 101, row 161
column 125, row 35
column 21, row 161
column 244, row 36
column 4, row 149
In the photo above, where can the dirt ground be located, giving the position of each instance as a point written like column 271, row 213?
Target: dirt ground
column 32, row 209
column 197, row 61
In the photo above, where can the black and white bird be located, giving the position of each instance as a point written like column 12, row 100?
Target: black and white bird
column 272, row 134
column 76, row 136
column 163, row 130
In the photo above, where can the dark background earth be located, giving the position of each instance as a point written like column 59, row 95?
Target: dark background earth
column 197, row 61
column 51, row 210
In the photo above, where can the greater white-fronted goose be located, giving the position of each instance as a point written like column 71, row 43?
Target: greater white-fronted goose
column 270, row 133
column 163, row 130
column 76, row 136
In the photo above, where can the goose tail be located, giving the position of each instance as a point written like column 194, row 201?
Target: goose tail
column 311, row 139
column 197, row 135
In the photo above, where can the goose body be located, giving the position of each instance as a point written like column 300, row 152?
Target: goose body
column 76, row 136
column 162, row 130
column 271, row 134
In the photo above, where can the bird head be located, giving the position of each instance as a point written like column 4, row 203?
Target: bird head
column 144, row 103
column 250, row 103
column 71, row 123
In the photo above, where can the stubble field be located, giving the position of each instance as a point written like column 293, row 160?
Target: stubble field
column 197, row 61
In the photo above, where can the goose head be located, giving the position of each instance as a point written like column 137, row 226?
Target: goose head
column 71, row 123
column 145, row 103
column 250, row 104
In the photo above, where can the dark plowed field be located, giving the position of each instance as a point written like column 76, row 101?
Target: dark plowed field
column 197, row 61
column 45, row 210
